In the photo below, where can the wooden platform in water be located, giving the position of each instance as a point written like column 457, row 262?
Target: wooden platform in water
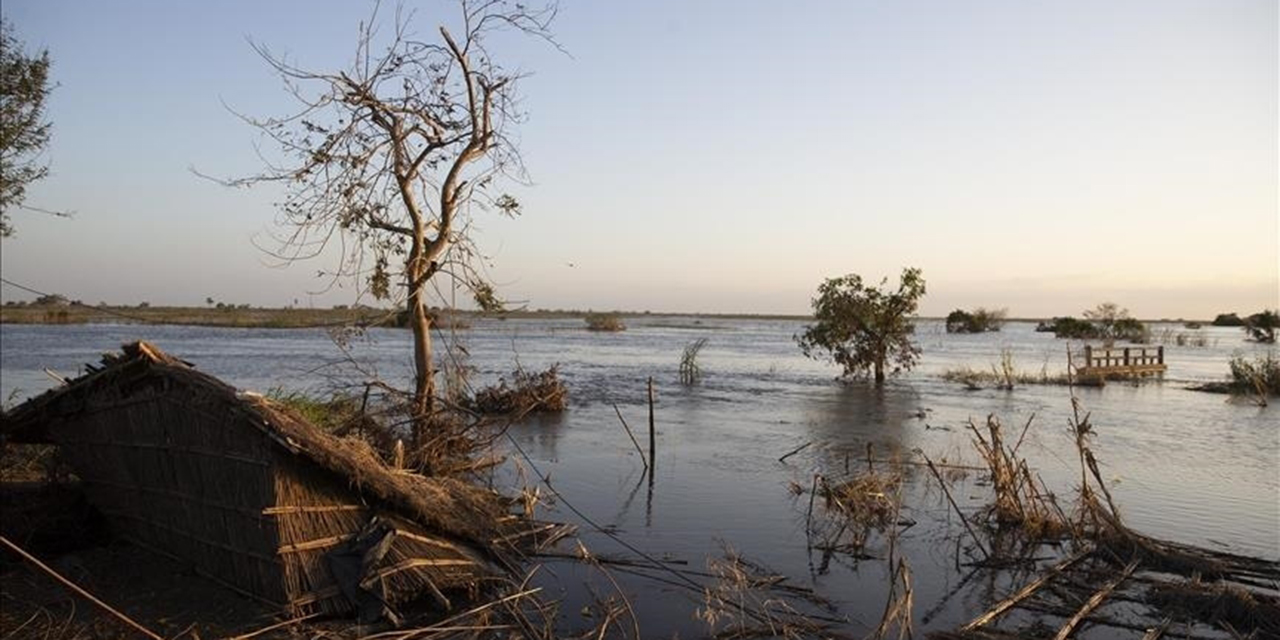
column 1122, row 362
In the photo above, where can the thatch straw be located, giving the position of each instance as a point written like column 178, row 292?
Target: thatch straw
column 252, row 494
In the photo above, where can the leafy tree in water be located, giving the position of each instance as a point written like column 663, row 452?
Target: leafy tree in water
column 1113, row 322
column 1262, row 326
column 386, row 160
column 866, row 330
column 24, row 133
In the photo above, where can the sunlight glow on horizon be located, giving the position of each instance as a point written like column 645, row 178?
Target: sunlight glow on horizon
column 1042, row 158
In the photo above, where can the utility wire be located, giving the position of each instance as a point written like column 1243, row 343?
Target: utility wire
column 592, row 523
column 77, row 303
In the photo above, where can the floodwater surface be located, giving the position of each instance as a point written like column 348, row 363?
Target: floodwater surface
column 1186, row 466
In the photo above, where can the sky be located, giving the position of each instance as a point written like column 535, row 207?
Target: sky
column 713, row 157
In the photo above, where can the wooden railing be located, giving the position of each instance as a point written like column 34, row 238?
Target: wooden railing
column 1124, row 358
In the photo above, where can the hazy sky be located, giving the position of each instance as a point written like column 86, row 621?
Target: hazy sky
column 717, row 156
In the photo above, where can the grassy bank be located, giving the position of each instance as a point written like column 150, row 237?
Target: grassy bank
column 210, row 317
column 247, row 317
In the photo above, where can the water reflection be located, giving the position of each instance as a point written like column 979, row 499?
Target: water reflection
column 1191, row 467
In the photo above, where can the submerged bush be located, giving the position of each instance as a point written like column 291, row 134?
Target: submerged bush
column 528, row 393
column 978, row 321
column 1260, row 375
column 1228, row 320
column 1069, row 327
column 1107, row 322
column 605, row 322
column 1262, row 326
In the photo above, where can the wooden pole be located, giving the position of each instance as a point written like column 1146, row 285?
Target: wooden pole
column 653, row 460
column 81, row 592
column 632, row 436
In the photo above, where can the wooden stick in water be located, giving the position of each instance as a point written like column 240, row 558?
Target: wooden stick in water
column 632, row 436
column 1093, row 602
column 653, row 461
column 1024, row 592
column 955, row 506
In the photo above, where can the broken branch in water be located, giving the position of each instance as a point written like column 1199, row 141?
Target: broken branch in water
column 795, row 451
column 632, row 436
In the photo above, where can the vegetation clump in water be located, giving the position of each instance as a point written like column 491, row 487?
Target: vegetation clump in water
column 529, row 392
column 610, row 322
column 1106, row 322
column 980, row 320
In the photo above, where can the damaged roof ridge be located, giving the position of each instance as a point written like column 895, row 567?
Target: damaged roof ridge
column 454, row 506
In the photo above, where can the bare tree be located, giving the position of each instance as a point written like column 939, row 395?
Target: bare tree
column 386, row 159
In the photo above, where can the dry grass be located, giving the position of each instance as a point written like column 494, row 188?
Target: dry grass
column 1228, row 593
column 1002, row 375
column 32, row 463
column 852, row 509
column 1021, row 503
column 1219, row 605
column 746, row 600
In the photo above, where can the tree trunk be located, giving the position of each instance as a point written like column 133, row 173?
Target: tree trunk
column 424, row 389
column 880, row 370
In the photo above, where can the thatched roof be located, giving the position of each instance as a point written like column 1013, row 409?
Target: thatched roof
column 446, row 505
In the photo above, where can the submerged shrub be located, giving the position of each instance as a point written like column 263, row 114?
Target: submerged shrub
column 527, row 393
column 978, row 321
column 605, row 322
column 1260, row 375
column 1228, row 320
column 1107, row 322
column 1262, row 326
column 1070, row 327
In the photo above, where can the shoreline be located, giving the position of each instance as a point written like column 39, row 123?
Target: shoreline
column 304, row 318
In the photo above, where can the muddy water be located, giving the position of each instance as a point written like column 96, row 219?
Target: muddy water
column 1183, row 465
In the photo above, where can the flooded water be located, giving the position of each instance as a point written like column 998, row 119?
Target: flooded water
column 1183, row 465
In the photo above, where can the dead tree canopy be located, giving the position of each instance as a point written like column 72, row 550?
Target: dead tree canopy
column 385, row 159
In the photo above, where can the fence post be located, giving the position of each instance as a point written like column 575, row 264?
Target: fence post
column 1088, row 356
column 1126, row 356
column 1160, row 354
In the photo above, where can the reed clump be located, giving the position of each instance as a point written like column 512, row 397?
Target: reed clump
column 1002, row 376
column 747, row 600
column 528, row 392
column 853, row 508
column 1108, row 562
column 868, row 500
column 609, row 322
column 1168, row 335
column 1219, row 604
column 1021, row 502
column 690, row 372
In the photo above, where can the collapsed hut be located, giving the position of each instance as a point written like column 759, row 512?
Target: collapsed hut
column 256, row 498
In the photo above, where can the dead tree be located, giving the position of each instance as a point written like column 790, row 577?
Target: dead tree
column 386, row 159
